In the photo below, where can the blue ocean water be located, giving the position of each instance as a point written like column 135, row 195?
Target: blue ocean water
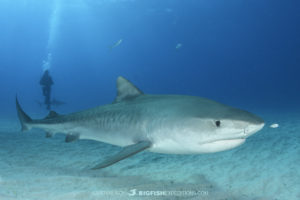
column 242, row 53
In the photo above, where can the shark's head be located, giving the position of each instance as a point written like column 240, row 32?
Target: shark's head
column 206, row 126
column 223, row 130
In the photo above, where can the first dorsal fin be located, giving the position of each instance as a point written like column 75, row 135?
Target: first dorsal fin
column 126, row 90
column 52, row 114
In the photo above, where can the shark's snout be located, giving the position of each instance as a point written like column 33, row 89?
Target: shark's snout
column 248, row 123
column 255, row 124
column 253, row 128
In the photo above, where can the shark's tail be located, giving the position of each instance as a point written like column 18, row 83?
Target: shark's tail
column 23, row 117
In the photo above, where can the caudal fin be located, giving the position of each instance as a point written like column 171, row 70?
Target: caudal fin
column 23, row 117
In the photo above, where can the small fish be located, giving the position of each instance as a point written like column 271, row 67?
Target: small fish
column 116, row 44
column 274, row 126
column 178, row 46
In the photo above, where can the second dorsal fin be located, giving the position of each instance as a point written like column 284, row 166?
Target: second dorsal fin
column 126, row 90
column 52, row 114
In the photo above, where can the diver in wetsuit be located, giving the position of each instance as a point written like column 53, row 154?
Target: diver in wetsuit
column 46, row 82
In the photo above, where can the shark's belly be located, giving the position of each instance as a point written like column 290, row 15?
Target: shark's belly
column 173, row 147
column 177, row 142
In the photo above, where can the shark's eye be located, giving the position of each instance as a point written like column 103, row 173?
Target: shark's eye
column 218, row 123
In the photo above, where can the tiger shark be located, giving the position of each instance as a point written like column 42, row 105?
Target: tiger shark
column 170, row 124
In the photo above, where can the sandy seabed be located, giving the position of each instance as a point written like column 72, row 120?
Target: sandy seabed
column 266, row 167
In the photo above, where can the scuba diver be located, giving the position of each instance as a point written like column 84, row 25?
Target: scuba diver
column 46, row 82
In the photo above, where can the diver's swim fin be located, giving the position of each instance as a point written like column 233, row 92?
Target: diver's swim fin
column 125, row 153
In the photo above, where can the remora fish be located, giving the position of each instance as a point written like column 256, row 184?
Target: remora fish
column 171, row 124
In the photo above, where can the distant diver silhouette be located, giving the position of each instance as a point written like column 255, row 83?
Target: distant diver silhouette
column 46, row 82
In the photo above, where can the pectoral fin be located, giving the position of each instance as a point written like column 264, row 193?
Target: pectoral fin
column 125, row 153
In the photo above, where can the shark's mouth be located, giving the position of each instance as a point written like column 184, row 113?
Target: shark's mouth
column 231, row 140
column 221, row 145
column 227, row 139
